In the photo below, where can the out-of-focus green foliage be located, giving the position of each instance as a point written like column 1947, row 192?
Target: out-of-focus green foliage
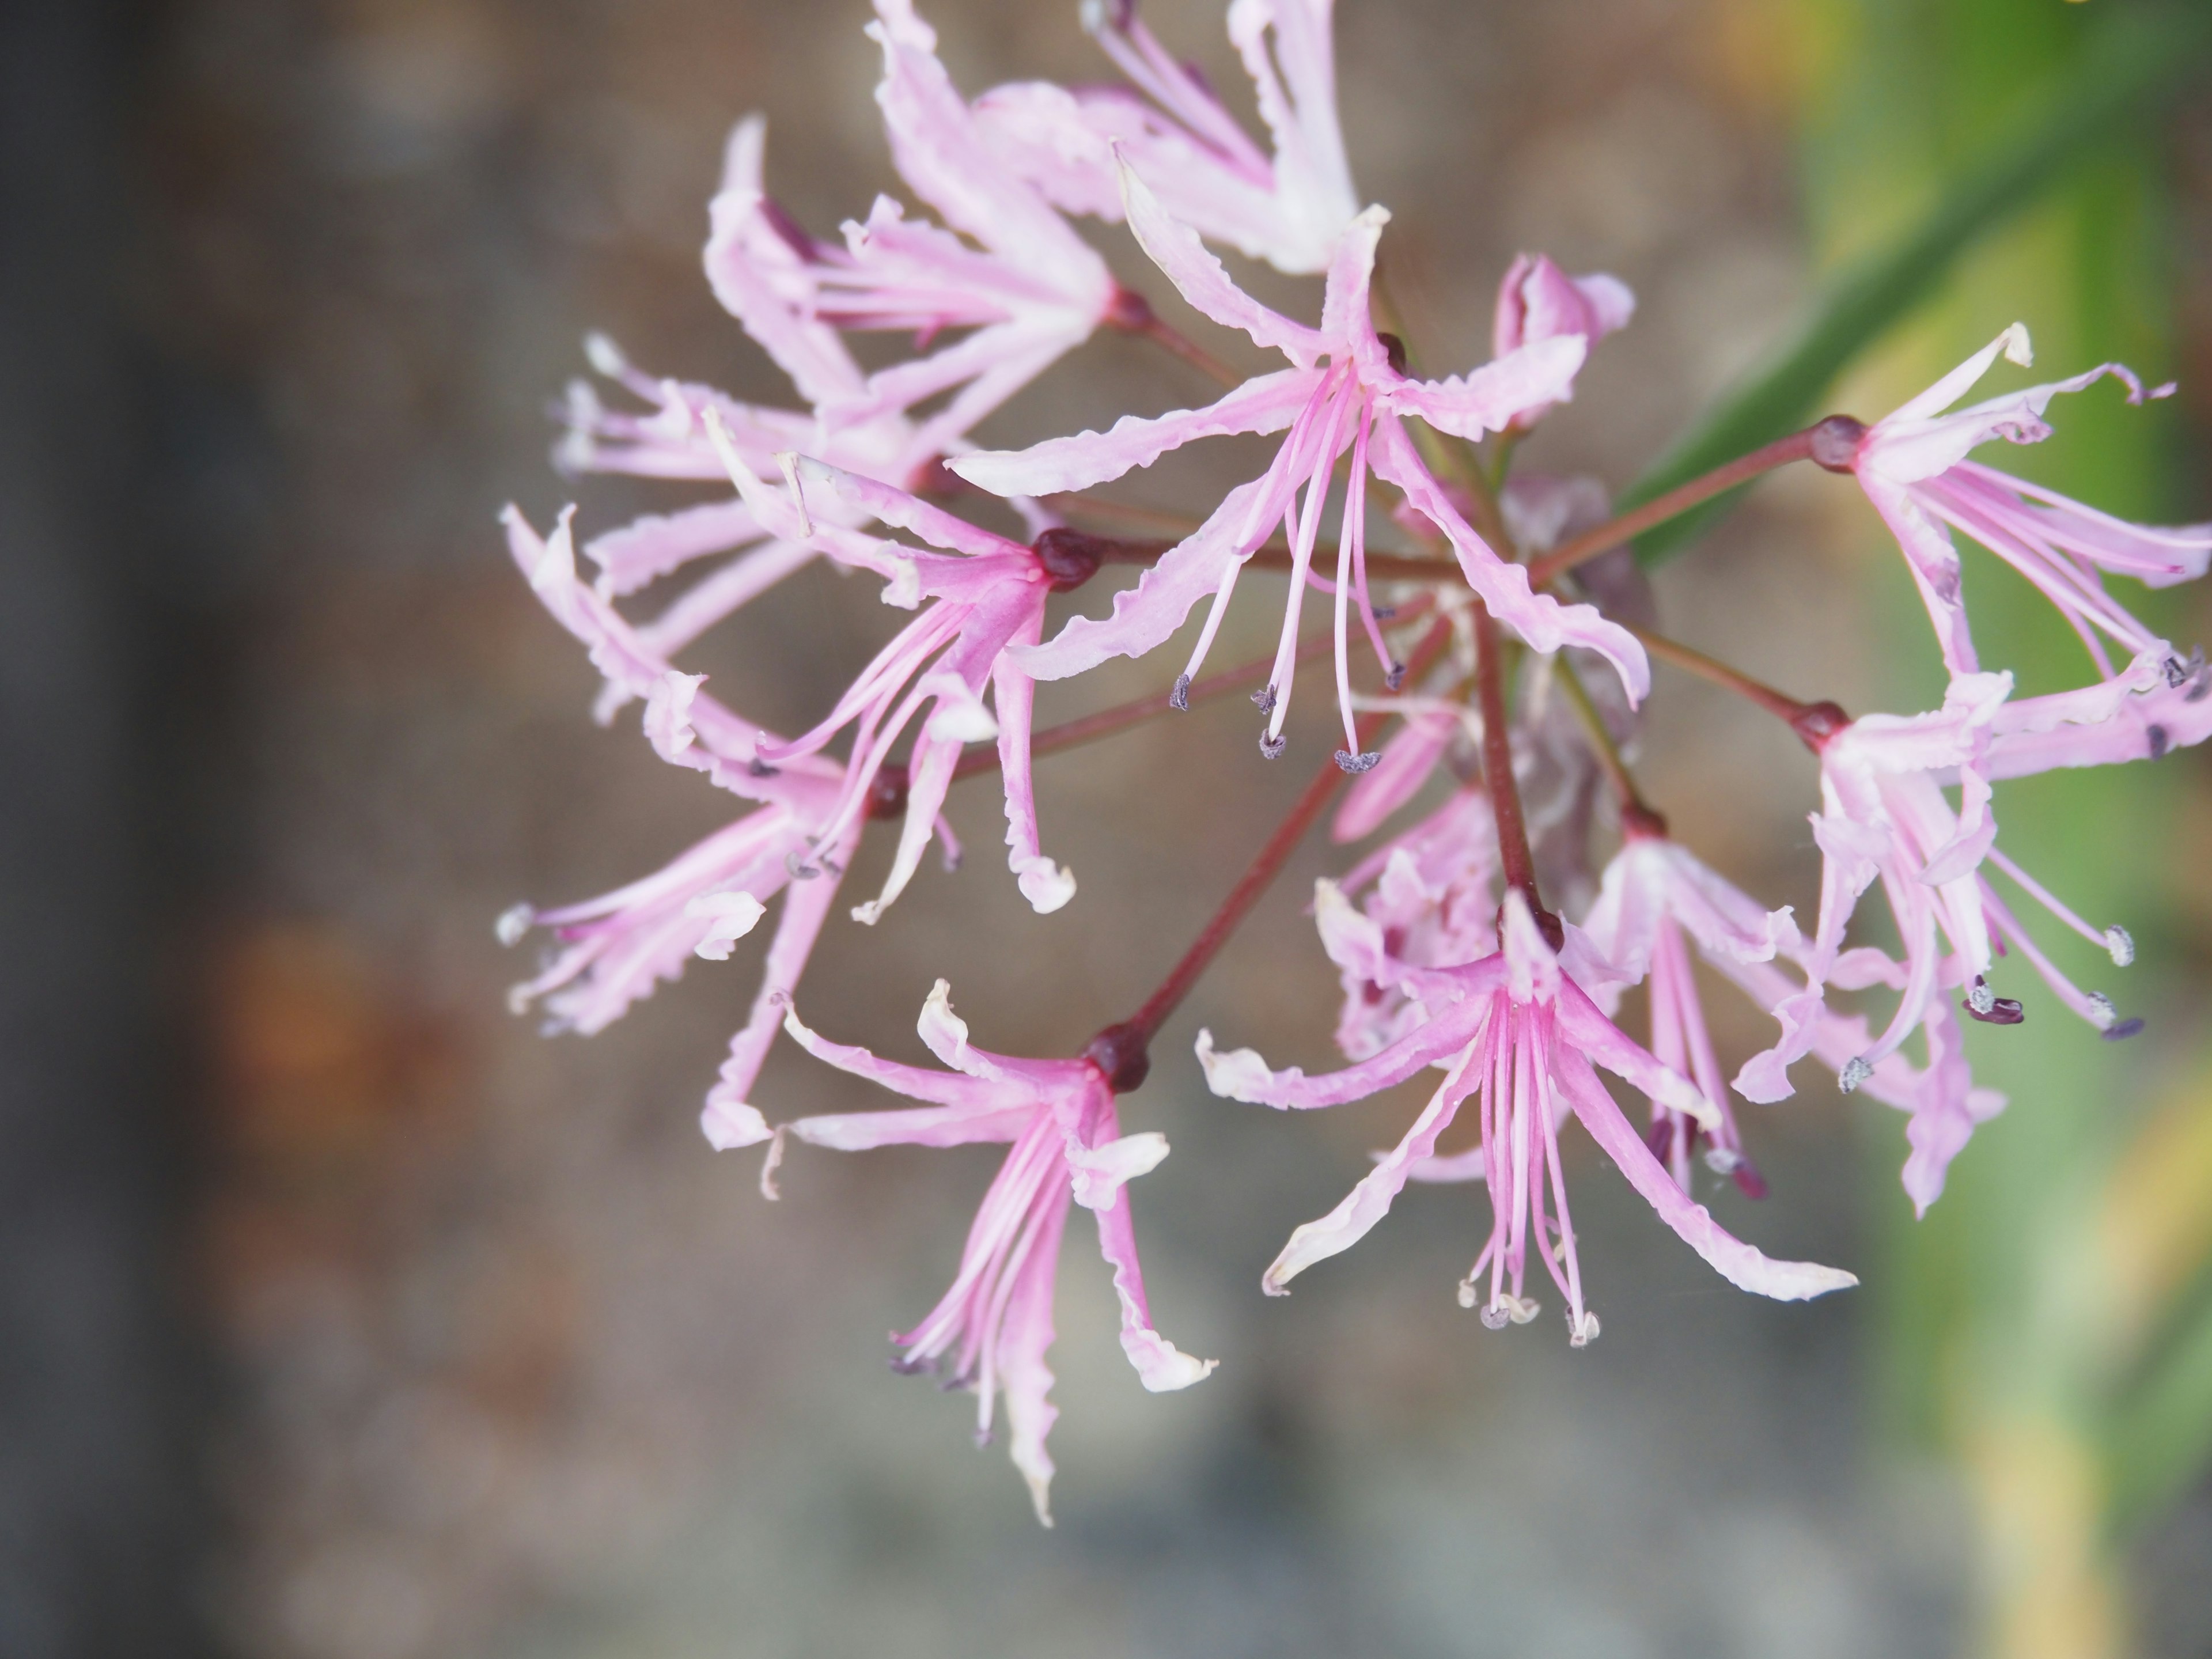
column 2121, row 72
column 2048, row 1328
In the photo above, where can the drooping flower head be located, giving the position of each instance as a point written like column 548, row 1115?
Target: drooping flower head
column 1516, row 1032
column 1287, row 207
column 1027, row 287
column 670, row 440
column 1343, row 395
column 1913, row 465
column 618, row 948
column 1885, row 816
column 992, row 1330
column 1656, row 900
column 978, row 597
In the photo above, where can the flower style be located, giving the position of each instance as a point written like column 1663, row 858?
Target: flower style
column 994, row 1324
column 1517, row 1030
column 1913, row 465
column 1342, row 394
column 1885, row 815
column 1653, row 893
column 984, row 593
column 1288, row 209
column 618, row 948
column 1030, row 290
column 1431, row 904
column 1539, row 302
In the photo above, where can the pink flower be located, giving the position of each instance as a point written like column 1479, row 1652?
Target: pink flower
column 1516, row 1030
column 1885, row 815
column 1287, row 209
column 1341, row 395
column 984, row 594
column 1029, row 287
column 1653, row 893
column 1944, row 1107
column 1912, row 465
column 618, row 948
column 671, row 441
column 1431, row 903
column 1539, row 302
column 994, row 1326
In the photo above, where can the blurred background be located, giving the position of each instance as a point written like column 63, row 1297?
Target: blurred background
column 343, row 1317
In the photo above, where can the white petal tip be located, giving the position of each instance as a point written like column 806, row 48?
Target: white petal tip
column 729, row 1125
column 2018, row 349
column 1046, row 886
column 604, row 357
column 1238, row 1074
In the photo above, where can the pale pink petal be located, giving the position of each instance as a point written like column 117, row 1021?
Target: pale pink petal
column 1025, row 1336
column 940, row 152
column 650, row 547
column 1047, row 886
column 1946, row 1107
column 1241, row 1074
column 1199, row 278
column 1147, row 615
column 1489, row 398
column 1160, row 1366
column 950, row 1089
column 806, row 904
column 1408, row 760
column 1265, row 403
column 1738, row 1263
column 1369, row 1201
column 1539, row 619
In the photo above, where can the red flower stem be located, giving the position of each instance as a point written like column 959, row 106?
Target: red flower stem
column 1107, row 721
column 1146, row 1023
column 1077, row 504
column 1549, row 567
column 1814, row 722
column 1514, row 858
column 1166, row 334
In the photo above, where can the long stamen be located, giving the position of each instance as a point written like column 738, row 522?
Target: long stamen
column 2115, row 940
column 1301, row 548
column 1350, row 758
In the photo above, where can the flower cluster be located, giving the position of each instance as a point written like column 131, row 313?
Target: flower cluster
column 1510, row 648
